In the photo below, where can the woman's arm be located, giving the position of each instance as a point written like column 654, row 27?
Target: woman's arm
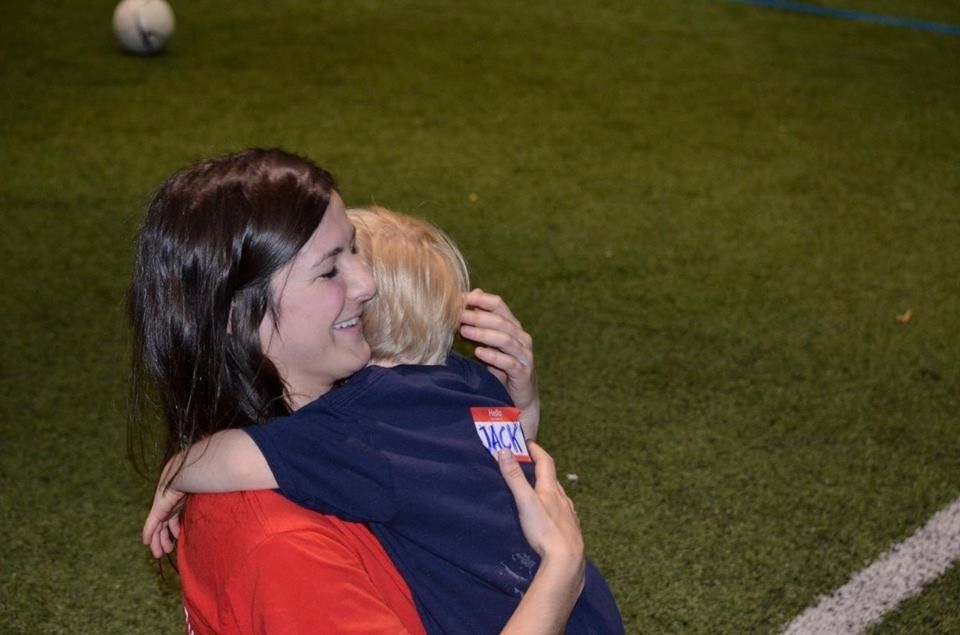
column 551, row 526
column 506, row 349
column 228, row 461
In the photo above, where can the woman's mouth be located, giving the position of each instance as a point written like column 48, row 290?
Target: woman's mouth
column 346, row 323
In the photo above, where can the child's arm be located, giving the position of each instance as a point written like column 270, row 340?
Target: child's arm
column 227, row 461
column 317, row 458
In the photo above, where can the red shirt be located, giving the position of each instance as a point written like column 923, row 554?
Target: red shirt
column 253, row 562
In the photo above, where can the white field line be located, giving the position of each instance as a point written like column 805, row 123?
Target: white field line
column 896, row 576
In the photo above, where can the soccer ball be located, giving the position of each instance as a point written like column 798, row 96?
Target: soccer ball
column 143, row 26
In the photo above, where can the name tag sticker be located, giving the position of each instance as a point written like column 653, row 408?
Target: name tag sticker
column 500, row 428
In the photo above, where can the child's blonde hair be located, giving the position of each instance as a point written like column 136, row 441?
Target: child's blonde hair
column 421, row 276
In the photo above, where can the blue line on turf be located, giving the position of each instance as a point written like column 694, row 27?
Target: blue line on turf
column 862, row 16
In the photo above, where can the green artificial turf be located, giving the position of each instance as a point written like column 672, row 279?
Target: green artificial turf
column 709, row 215
column 931, row 613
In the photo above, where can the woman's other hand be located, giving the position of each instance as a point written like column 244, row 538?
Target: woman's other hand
column 547, row 515
column 506, row 349
column 551, row 526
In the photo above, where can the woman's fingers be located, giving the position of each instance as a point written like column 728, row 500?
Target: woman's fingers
column 547, row 516
column 503, row 346
column 547, row 483
column 502, row 352
column 150, row 527
column 490, row 323
column 175, row 527
column 497, row 334
column 508, row 365
column 487, row 311
column 490, row 302
column 155, row 547
column 544, row 467
column 513, row 475
column 166, row 540
column 161, row 535
column 484, row 321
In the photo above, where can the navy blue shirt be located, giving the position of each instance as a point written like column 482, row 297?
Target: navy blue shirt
column 397, row 448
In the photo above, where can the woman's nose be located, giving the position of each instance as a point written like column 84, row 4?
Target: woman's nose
column 363, row 286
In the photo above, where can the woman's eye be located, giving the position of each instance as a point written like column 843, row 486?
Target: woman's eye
column 330, row 274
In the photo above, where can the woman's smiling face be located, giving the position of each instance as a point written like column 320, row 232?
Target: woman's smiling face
column 316, row 339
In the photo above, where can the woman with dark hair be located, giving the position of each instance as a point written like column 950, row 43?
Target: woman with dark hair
column 245, row 304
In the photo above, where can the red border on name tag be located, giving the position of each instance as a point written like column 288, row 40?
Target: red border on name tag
column 499, row 427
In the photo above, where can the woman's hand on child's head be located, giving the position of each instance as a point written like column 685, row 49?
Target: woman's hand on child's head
column 162, row 526
column 547, row 515
column 506, row 349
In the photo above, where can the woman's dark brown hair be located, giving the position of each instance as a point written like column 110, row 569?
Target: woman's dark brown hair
column 213, row 235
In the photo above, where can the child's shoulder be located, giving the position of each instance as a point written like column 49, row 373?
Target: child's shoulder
column 456, row 368
column 476, row 377
column 383, row 384
column 466, row 367
column 457, row 361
